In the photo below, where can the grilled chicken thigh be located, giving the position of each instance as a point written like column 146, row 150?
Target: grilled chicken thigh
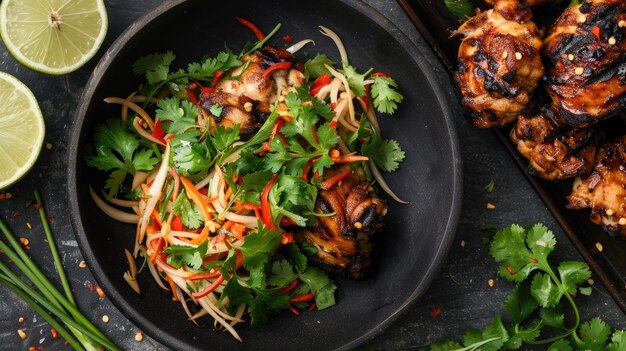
column 586, row 48
column 246, row 99
column 499, row 63
column 344, row 241
column 604, row 190
column 554, row 152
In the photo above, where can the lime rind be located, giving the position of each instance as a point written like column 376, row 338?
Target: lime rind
column 37, row 143
column 14, row 47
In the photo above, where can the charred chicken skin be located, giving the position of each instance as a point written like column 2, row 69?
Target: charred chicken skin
column 553, row 152
column 344, row 241
column 586, row 48
column 246, row 100
column 499, row 63
column 604, row 190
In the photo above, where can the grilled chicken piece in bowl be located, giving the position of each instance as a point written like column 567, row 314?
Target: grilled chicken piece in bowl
column 246, row 99
column 586, row 48
column 554, row 152
column 345, row 240
column 499, row 63
column 604, row 190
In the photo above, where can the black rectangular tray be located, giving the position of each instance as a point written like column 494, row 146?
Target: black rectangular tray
column 435, row 23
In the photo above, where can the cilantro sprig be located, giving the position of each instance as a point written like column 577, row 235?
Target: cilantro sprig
column 535, row 307
column 118, row 151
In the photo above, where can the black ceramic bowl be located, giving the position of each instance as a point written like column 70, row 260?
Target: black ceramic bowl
column 417, row 236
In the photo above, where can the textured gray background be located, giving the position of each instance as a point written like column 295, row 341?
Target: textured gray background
column 461, row 290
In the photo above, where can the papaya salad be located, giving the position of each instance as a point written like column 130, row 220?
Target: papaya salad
column 249, row 176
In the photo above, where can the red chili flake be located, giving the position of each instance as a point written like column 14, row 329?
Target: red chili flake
column 596, row 31
column 436, row 312
column 32, row 348
column 288, row 39
column 534, row 260
column 37, row 206
column 90, row 287
column 26, row 247
column 294, row 310
column 40, row 347
column 3, row 196
column 54, row 332
column 49, row 217
column 100, row 292
column 573, row 296
column 560, row 65
column 333, row 124
column 312, row 307
column 101, row 347
column 17, row 214
column 508, row 269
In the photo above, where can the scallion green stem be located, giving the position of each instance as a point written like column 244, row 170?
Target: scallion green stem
column 53, row 249
column 43, row 313
column 45, row 303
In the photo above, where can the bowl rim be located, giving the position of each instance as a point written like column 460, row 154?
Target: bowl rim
column 429, row 64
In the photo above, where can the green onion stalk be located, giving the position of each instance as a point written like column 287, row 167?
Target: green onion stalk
column 58, row 309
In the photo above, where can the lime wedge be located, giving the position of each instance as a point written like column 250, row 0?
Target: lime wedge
column 21, row 130
column 53, row 36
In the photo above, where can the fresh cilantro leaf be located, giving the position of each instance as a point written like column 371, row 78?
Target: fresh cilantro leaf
column 178, row 255
column 321, row 108
column 115, row 180
column 490, row 339
column 155, row 67
column 293, row 197
column 282, row 273
column 298, row 258
column 446, row 345
column 545, row 291
column 259, row 247
column 572, row 274
column 223, row 137
column 315, row 67
column 553, row 317
column 308, row 249
column 561, row 345
column 264, row 304
column 327, row 136
column 182, row 115
column 618, row 341
column 384, row 94
column 224, row 61
column 117, row 150
column 386, row 153
column 257, row 278
column 191, row 157
column 355, row 79
column 518, row 337
column 509, row 248
column 216, row 110
column 594, row 334
column 237, row 294
column 520, row 304
column 489, row 187
column 189, row 213
column 541, row 241
column 320, row 285
column 462, row 9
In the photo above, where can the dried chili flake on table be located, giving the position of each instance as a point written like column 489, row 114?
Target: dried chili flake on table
column 435, row 312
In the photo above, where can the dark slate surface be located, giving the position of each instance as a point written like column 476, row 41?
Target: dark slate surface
column 461, row 290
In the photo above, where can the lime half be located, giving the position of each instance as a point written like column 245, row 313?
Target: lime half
column 53, row 36
column 21, row 130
